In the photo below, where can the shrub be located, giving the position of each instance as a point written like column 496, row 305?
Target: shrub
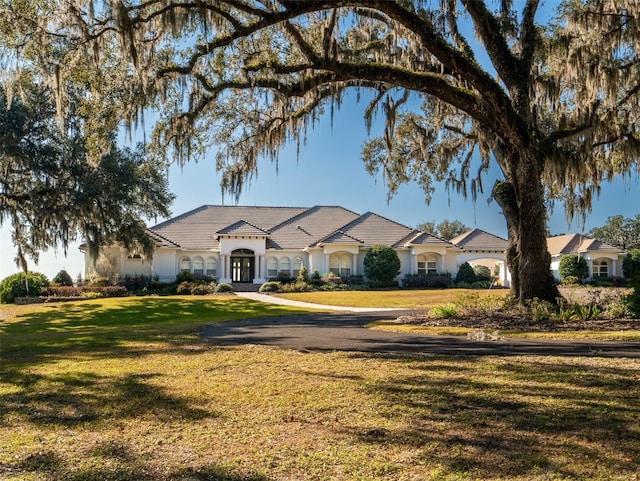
column 224, row 287
column 297, row 286
column 445, row 311
column 570, row 281
column 316, row 278
column 540, row 310
column 200, row 290
column 427, row 281
column 185, row 287
column 62, row 278
column 22, row 285
column 483, row 273
column 271, row 286
column 63, row 291
column 573, row 265
column 381, row 263
column 135, row 283
column 382, row 284
column 631, row 266
column 465, row 274
column 184, row 277
column 303, row 275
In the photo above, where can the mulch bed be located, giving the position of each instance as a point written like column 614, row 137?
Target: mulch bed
column 504, row 322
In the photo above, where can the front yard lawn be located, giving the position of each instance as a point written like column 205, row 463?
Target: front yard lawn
column 123, row 389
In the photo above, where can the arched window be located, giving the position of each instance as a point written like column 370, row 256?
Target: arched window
column 212, row 267
column 198, row 266
column 272, row 267
column 285, row 267
column 601, row 269
column 185, row 264
column 427, row 264
column 340, row 264
column 297, row 265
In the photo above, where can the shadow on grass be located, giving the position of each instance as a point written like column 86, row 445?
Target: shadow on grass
column 105, row 325
column 504, row 419
column 48, row 466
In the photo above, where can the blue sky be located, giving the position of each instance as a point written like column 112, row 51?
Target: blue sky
column 329, row 171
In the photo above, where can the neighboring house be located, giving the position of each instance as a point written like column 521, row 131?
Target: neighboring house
column 604, row 260
column 485, row 249
column 253, row 244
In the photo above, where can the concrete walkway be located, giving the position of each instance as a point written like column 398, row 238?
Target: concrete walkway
column 254, row 296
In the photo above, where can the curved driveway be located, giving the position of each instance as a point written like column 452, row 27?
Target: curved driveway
column 346, row 331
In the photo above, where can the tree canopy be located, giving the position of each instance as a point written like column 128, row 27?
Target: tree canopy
column 51, row 193
column 549, row 98
column 446, row 229
column 619, row 231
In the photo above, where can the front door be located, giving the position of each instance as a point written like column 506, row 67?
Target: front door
column 242, row 268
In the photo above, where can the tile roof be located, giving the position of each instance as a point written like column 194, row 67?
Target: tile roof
column 196, row 229
column 479, row 240
column 577, row 243
column 426, row 239
column 242, row 227
column 372, row 229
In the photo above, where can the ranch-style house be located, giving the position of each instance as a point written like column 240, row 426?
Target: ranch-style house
column 243, row 244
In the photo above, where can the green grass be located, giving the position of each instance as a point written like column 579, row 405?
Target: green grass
column 124, row 390
column 409, row 298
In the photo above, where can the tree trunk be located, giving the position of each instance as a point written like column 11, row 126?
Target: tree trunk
column 528, row 259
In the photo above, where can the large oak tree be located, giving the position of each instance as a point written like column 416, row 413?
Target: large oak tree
column 552, row 102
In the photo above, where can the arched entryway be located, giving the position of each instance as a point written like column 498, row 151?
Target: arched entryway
column 242, row 265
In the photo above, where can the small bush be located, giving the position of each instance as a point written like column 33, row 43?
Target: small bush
column 22, row 285
column 184, row 288
column 297, row 286
column 271, row 286
column 135, row 283
column 570, row 281
column 465, row 274
column 200, row 290
column 184, row 277
column 303, row 275
column 63, row 291
column 224, row 287
column 573, row 266
column 62, row 278
column 446, row 311
column 439, row 281
column 540, row 310
column 381, row 263
column 382, row 284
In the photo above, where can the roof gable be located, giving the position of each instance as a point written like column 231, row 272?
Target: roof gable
column 479, row 240
column 242, row 227
column 426, row 239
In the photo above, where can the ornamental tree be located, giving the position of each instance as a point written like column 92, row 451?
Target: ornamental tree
column 550, row 99
column 381, row 263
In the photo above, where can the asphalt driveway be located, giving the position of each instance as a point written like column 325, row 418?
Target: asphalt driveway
column 346, row 331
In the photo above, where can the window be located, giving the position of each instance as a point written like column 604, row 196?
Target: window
column 185, row 264
column 340, row 264
column 297, row 265
column 427, row 265
column 198, row 266
column 601, row 269
column 285, row 267
column 212, row 267
column 272, row 267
